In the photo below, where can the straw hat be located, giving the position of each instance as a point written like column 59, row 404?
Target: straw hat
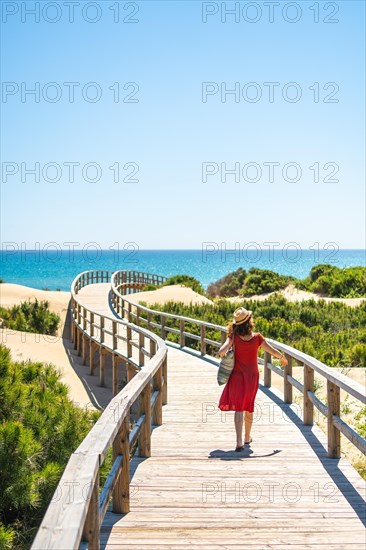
column 241, row 315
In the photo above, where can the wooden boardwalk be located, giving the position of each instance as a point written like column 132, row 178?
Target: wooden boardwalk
column 195, row 492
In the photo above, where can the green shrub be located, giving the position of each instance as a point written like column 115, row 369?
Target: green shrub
column 31, row 317
column 242, row 283
column 260, row 281
column 229, row 285
column 40, row 427
column 361, row 425
column 329, row 280
column 149, row 287
column 324, row 279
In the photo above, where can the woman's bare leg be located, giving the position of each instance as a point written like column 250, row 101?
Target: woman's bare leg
column 238, row 420
column 248, row 421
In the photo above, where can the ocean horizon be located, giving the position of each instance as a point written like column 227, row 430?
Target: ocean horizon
column 55, row 269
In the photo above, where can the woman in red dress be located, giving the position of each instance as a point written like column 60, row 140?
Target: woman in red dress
column 241, row 389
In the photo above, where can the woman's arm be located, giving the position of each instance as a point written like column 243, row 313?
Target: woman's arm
column 225, row 347
column 273, row 351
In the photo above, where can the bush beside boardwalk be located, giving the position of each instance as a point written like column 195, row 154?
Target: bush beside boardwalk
column 40, row 427
column 324, row 279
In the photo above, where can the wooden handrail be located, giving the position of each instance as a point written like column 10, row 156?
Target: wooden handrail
column 76, row 511
column 335, row 381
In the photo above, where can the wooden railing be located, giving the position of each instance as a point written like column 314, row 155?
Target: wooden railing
column 335, row 381
column 78, row 507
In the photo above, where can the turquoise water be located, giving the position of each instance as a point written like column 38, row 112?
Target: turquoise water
column 55, row 269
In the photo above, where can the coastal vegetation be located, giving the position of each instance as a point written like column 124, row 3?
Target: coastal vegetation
column 329, row 280
column 332, row 332
column 324, row 279
column 248, row 283
column 39, row 429
column 31, row 317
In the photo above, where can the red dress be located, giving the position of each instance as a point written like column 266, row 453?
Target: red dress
column 241, row 389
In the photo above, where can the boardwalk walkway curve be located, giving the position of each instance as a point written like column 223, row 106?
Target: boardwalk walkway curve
column 183, row 498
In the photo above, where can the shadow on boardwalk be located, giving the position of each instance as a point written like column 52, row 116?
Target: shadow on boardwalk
column 330, row 465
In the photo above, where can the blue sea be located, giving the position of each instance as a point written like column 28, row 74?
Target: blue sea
column 55, row 268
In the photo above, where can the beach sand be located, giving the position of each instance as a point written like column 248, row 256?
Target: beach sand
column 177, row 293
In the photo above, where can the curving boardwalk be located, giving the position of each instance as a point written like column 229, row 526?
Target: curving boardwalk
column 195, row 492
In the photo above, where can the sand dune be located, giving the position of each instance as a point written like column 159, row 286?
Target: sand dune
column 178, row 293
column 12, row 294
column 293, row 294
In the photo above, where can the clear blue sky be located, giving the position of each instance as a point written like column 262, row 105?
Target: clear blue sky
column 170, row 131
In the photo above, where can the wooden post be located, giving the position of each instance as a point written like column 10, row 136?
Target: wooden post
column 334, row 436
column 84, row 318
column 308, row 406
column 84, row 347
column 163, row 332
column 266, row 371
column 101, row 329
column 152, row 348
column 91, row 527
column 165, row 379
column 80, row 338
column 145, row 434
column 114, row 335
column 114, row 374
column 91, row 324
column 76, row 337
column 129, row 312
column 121, row 492
column 92, row 346
column 141, row 345
column 158, row 409
column 71, row 326
column 203, row 343
column 149, row 320
column 102, row 354
column 287, row 386
column 130, row 372
column 182, row 338
column 129, row 344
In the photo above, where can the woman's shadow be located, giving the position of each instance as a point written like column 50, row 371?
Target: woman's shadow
column 233, row 455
